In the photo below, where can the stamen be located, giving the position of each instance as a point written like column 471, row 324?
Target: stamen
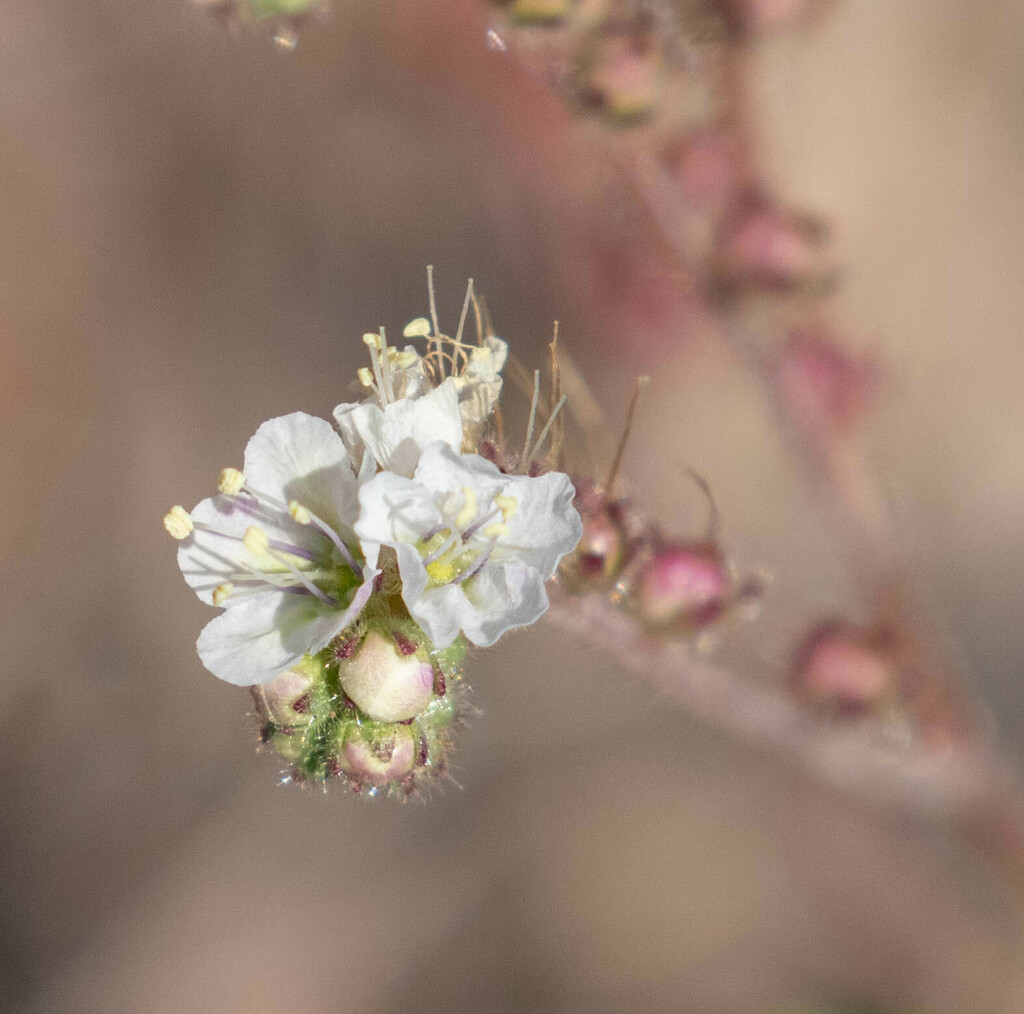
column 418, row 328
column 433, row 317
column 365, row 375
column 474, row 528
column 231, row 481
column 478, row 564
column 385, row 367
column 547, row 427
column 372, row 342
column 613, row 472
column 178, row 523
column 450, row 543
column 533, row 417
column 493, row 531
column 465, row 310
column 258, row 544
column 508, row 505
column 256, row 541
column 221, row 592
column 304, row 516
column 468, row 512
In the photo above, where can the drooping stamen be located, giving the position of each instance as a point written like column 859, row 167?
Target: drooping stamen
column 304, row 516
column 372, row 342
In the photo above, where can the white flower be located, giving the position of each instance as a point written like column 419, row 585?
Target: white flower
column 474, row 545
column 395, row 432
column 275, row 549
column 479, row 385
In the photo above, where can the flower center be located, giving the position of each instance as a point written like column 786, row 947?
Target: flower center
column 316, row 561
column 458, row 548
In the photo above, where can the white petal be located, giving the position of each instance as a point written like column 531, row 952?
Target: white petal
column 394, row 509
column 545, row 525
column 397, row 433
column 499, row 598
column 349, row 434
column 262, row 635
column 300, row 457
column 207, row 559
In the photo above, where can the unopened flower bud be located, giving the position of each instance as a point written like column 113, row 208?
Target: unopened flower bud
column 623, row 78
column 685, row 585
column 378, row 755
column 844, row 670
column 766, row 245
column 285, row 701
column 708, row 166
column 385, row 681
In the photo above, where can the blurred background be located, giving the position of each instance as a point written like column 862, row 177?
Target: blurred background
column 194, row 230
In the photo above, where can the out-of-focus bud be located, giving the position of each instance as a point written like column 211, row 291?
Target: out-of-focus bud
column 390, row 679
column 767, row 13
column 708, row 165
column 606, row 545
column 822, row 384
column 684, row 586
column 844, row 670
column 286, row 17
column 764, row 245
column 622, row 77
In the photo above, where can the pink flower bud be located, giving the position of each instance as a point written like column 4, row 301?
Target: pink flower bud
column 623, row 78
column 822, row 383
column 687, row 585
column 604, row 548
column 765, row 245
column 708, row 166
column 387, row 683
column 844, row 670
column 285, row 700
column 378, row 757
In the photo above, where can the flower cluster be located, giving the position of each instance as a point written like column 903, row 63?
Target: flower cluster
column 354, row 564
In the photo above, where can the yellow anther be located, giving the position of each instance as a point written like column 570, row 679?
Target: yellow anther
column 418, row 328
column 480, row 354
column 221, row 592
column 365, row 375
column 508, row 505
column 494, row 531
column 231, row 481
column 299, row 513
column 468, row 511
column 178, row 523
column 256, row 541
column 372, row 341
column 403, row 360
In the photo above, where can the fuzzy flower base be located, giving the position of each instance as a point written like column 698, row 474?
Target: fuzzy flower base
column 309, row 718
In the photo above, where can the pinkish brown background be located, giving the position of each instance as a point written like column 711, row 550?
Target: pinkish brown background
column 194, row 229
